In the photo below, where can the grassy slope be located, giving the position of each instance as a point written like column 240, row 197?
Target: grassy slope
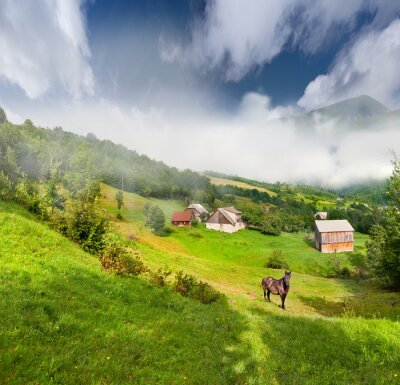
column 64, row 321
column 234, row 264
column 224, row 182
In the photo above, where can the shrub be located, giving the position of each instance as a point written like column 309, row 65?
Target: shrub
column 360, row 273
column 118, row 259
column 344, row 273
column 184, row 283
column 159, row 277
column 119, row 216
column 188, row 286
column 205, row 293
column 276, row 261
column 28, row 196
column 195, row 234
column 6, row 187
column 166, row 231
column 88, row 225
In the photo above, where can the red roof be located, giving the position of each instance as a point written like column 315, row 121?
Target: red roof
column 181, row 216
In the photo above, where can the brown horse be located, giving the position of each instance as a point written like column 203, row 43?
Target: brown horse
column 277, row 286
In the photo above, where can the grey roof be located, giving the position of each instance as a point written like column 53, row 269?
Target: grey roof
column 197, row 206
column 331, row 226
column 225, row 214
column 321, row 214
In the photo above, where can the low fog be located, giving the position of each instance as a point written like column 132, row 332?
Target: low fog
column 257, row 141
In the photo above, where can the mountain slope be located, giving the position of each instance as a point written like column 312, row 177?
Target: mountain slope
column 352, row 110
column 64, row 321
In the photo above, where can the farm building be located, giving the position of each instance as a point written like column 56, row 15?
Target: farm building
column 334, row 236
column 228, row 220
column 321, row 215
column 182, row 218
column 198, row 211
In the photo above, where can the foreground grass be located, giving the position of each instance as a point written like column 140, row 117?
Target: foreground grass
column 64, row 321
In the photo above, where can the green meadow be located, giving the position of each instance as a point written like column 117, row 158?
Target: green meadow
column 65, row 321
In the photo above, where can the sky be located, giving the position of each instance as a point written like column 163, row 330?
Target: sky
column 210, row 84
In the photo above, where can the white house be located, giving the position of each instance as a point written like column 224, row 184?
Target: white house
column 228, row 220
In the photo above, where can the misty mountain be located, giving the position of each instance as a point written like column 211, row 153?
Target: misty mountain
column 360, row 113
column 351, row 110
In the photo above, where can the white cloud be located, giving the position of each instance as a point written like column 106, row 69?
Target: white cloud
column 238, row 36
column 43, row 45
column 251, row 142
column 370, row 66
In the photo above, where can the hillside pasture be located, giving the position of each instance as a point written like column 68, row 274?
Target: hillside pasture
column 65, row 321
column 234, row 263
column 229, row 182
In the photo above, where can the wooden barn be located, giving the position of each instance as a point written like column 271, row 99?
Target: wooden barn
column 182, row 218
column 334, row 236
column 228, row 220
column 198, row 210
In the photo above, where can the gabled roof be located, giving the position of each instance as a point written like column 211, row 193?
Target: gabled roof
column 331, row 226
column 230, row 217
column 181, row 216
column 321, row 214
column 200, row 208
column 232, row 210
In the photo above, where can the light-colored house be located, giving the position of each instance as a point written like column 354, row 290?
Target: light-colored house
column 182, row 218
column 198, row 211
column 228, row 220
column 321, row 215
column 334, row 236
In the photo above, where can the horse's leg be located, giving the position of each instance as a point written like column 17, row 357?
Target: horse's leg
column 268, row 293
column 265, row 293
column 283, row 297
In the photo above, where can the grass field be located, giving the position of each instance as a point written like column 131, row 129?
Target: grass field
column 64, row 321
column 225, row 182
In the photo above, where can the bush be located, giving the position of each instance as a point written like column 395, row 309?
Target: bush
column 188, row 286
column 360, row 273
column 184, row 283
column 119, row 216
column 166, row 231
column 159, row 277
column 88, row 225
column 195, row 234
column 6, row 187
column 272, row 225
column 344, row 273
column 205, row 293
column 276, row 261
column 118, row 259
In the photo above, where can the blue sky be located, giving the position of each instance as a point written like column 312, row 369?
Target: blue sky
column 284, row 78
column 156, row 74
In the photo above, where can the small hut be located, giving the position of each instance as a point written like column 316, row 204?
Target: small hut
column 182, row 218
column 198, row 210
column 334, row 236
column 321, row 215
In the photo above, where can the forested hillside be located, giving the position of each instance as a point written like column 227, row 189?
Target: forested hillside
column 37, row 152
column 41, row 154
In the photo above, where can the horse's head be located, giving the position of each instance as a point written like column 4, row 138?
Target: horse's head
column 287, row 276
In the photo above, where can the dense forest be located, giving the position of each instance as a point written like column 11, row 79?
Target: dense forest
column 37, row 152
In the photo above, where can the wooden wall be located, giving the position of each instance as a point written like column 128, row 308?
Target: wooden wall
column 336, row 247
column 334, row 241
